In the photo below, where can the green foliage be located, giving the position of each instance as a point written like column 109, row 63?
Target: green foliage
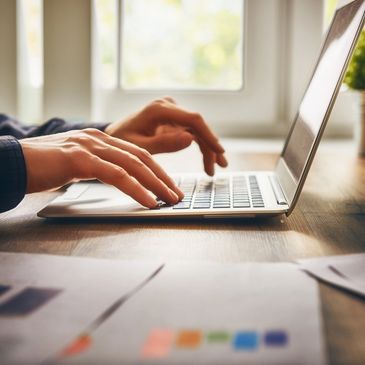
column 355, row 76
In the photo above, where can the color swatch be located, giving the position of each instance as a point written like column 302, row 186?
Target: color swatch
column 160, row 342
column 81, row 344
column 245, row 341
column 27, row 301
column 276, row 338
column 218, row 337
column 189, row 339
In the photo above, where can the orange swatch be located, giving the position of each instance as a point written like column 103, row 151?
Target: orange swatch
column 189, row 339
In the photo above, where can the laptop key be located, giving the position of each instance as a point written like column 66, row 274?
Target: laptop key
column 201, row 206
column 181, row 205
column 241, row 205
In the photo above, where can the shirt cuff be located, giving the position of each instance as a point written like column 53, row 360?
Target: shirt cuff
column 13, row 177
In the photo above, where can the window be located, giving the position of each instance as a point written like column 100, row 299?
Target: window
column 221, row 58
column 170, row 44
column 330, row 7
column 182, row 44
column 30, row 60
column 107, row 37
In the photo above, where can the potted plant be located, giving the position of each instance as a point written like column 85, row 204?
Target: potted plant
column 355, row 79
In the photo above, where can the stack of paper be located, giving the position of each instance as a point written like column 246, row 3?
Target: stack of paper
column 346, row 272
column 58, row 310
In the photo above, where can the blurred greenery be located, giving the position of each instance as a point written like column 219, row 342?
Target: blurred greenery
column 183, row 44
column 355, row 76
column 330, row 10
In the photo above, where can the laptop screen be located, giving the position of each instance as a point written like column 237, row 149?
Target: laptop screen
column 322, row 89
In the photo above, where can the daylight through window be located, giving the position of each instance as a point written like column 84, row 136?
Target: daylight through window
column 182, row 44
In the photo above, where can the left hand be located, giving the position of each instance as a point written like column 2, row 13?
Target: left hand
column 163, row 126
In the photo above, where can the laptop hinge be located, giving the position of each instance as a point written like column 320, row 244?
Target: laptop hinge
column 278, row 192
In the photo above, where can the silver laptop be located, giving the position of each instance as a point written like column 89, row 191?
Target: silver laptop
column 243, row 194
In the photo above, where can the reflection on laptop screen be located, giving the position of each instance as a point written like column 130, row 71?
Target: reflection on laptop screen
column 322, row 87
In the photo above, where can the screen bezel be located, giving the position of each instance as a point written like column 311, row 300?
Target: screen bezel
column 292, row 187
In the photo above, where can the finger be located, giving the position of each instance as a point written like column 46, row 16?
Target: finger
column 167, row 142
column 137, row 168
column 147, row 159
column 209, row 158
column 195, row 123
column 221, row 160
column 111, row 174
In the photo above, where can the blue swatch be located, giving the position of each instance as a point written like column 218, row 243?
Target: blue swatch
column 276, row 338
column 4, row 289
column 245, row 341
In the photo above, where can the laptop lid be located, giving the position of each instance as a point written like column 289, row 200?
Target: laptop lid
column 319, row 98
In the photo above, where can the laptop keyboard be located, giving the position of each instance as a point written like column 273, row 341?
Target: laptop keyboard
column 220, row 193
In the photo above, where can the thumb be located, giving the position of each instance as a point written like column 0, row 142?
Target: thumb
column 168, row 142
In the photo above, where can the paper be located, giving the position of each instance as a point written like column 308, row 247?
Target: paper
column 212, row 314
column 347, row 272
column 45, row 301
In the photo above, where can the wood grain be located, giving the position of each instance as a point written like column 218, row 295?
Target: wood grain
column 329, row 220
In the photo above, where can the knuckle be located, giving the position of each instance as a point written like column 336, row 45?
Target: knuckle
column 144, row 155
column 136, row 161
column 121, row 173
column 159, row 101
column 118, row 174
column 197, row 117
column 92, row 131
column 155, row 106
column 79, row 139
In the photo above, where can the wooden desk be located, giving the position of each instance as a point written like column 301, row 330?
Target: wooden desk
column 329, row 220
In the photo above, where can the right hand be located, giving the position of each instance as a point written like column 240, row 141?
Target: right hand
column 55, row 160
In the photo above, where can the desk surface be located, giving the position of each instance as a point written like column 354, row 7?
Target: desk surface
column 329, row 220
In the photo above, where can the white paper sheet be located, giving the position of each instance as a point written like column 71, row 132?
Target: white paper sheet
column 346, row 271
column 210, row 298
column 87, row 287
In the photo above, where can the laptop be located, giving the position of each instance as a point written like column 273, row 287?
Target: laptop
column 245, row 193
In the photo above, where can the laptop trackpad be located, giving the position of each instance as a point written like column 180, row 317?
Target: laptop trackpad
column 94, row 198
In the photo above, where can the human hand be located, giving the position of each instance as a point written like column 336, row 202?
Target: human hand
column 55, row 160
column 163, row 126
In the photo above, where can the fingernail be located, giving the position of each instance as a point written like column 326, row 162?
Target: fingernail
column 224, row 161
column 211, row 171
column 174, row 197
column 151, row 202
column 180, row 193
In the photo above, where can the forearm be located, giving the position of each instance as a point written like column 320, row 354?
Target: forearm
column 11, row 127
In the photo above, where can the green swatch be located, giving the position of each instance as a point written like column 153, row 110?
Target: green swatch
column 218, row 337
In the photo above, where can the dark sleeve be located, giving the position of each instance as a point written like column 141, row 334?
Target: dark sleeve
column 13, row 179
column 11, row 127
